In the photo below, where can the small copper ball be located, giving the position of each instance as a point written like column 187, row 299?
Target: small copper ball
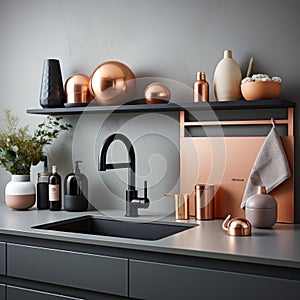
column 156, row 93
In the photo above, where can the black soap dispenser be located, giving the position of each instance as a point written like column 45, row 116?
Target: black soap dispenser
column 75, row 190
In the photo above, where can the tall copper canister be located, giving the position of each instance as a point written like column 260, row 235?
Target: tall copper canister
column 204, row 201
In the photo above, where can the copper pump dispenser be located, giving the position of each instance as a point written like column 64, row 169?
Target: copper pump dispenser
column 201, row 88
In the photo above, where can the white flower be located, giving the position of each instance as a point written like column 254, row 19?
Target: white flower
column 246, row 79
column 259, row 76
column 276, row 79
column 265, row 79
column 15, row 148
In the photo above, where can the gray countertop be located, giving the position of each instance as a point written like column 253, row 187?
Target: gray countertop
column 279, row 246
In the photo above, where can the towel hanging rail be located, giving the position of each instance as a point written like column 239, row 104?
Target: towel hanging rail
column 233, row 123
column 289, row 122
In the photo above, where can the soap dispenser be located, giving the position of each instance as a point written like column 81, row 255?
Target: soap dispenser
column 75, row 190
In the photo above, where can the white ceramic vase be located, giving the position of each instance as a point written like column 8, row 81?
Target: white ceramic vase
column 227, row 79
column 20, row 192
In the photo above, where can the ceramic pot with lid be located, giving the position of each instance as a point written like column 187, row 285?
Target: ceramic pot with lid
column 261, row 209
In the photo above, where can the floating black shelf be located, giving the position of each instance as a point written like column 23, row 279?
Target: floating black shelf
column 144, row 108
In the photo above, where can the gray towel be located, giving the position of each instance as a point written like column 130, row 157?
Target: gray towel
column 270, row 168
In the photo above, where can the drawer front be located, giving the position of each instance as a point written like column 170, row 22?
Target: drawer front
column 2, row 258
column 164, row 281
column 16, row 293
column 2, row 292
column 74, row 269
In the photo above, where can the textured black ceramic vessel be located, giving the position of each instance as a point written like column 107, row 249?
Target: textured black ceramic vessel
column 52, row 89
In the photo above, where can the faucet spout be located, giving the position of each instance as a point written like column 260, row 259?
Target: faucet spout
column 133, row 202
column 102, row 162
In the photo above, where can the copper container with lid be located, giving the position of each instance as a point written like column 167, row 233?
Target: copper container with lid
column 77, row 90
column 204, row 201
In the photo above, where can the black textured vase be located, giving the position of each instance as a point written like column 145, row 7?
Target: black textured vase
column 52, row 89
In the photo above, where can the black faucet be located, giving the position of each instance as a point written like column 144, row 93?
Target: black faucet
column 133, row 202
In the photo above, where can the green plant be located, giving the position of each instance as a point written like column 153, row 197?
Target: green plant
column 19, row 149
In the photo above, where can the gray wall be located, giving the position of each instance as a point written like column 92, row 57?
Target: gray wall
column 170, row 39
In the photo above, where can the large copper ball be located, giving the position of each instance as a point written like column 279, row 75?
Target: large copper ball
column 111, row 83
column 156, row 93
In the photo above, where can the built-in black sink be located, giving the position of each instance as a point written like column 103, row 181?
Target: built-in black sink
column 110, row 227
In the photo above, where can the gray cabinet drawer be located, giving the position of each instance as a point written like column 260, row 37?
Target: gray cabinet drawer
column 2, row 292
column 164, row 281
column 74, row 269
column 16, row 293
column 2, row 258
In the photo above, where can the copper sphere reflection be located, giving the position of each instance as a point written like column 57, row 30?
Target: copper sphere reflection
column 77, row 90
column 112, row 82
column 156, row 93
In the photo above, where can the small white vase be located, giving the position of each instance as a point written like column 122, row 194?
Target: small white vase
column 227, row 79
column 20, row 192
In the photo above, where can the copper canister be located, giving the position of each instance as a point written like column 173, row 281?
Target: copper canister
column 181, row 206
column 204, row 201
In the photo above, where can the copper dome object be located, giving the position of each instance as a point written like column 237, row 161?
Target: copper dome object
column 77, row 90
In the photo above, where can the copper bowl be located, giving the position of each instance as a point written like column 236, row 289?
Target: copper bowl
column 260, row 90
column 111, row 83
column 77, row 90
column 156, row 93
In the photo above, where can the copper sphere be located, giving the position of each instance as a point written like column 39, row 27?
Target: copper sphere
column 77, row 90
column 156, row 93
column 112, row 83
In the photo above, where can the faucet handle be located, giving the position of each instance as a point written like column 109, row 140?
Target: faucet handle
column 145, row 189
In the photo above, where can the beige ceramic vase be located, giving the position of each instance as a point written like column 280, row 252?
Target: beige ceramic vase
column 227, row 79
column 20, row 192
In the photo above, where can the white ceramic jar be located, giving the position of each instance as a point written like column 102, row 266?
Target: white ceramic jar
column 20, row 192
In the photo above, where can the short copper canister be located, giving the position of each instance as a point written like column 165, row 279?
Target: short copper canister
column 204, row 201
column 181, row 206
